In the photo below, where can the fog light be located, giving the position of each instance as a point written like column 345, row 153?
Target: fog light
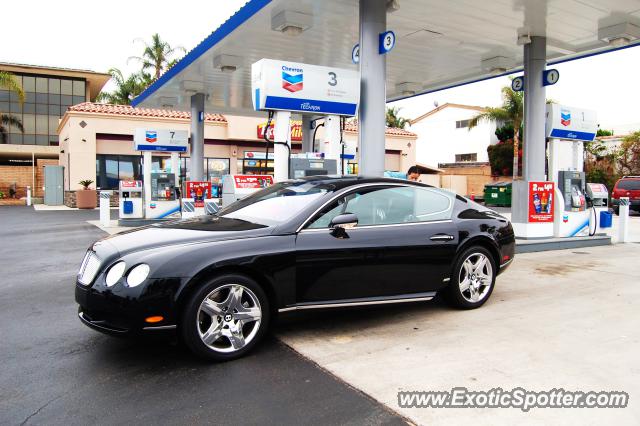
column 137, row 275
column 115, row 273
column 154, row 319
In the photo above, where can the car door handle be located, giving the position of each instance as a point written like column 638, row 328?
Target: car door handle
column 441, row 237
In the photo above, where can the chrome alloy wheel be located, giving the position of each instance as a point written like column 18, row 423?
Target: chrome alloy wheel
column 229, row 318
column 475, row 277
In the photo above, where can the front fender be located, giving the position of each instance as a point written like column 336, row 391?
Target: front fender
column 272, row 257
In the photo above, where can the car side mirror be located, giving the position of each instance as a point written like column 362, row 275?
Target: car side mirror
column 344, row 221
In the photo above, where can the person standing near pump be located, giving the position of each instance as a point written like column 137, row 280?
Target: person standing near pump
column 413, row 173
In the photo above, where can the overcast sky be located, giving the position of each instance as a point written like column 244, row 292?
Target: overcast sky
column 98, row 36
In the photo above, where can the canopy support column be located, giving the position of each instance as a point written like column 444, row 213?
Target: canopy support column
column 534, row 146
column 197, row 137
column 533, row 152
column 371, row 143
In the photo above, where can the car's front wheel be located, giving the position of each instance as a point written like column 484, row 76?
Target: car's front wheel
column 473, row 278
column 225, row 318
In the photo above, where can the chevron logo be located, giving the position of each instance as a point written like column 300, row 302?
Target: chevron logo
column 565, row 117
column 151, row 136
column 291, row 82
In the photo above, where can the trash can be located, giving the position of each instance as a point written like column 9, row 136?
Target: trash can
column 606, row 219
column 498, row 194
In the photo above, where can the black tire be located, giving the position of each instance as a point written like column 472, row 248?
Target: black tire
column 194, row 321
column 458, row 298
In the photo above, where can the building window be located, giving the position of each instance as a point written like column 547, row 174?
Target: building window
column 111, row 169
column 461, row 124
column 46, row 100
column 213, row 168
column 466, row 158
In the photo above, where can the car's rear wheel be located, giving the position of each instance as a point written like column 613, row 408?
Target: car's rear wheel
column 225, row 318
column 472, row 279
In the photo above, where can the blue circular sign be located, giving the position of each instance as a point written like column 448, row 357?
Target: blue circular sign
column 355, row 54
column 386, row 42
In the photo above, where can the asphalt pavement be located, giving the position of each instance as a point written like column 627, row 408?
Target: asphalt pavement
column 57, row 371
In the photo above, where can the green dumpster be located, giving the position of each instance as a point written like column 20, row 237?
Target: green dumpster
column 498, row 194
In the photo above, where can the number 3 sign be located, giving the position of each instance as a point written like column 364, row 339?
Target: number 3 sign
column 386, row 42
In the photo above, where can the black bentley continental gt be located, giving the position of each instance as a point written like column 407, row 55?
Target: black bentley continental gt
column 320, row 242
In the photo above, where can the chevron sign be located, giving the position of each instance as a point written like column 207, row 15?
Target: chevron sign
column 290, row 81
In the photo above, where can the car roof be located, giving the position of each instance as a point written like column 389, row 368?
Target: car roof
column 340, row 182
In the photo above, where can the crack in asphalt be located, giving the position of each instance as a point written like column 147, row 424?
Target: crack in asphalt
column 24, row 422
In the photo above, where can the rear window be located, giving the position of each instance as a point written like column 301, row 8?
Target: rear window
column 629, row 184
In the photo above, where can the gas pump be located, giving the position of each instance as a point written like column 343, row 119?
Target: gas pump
column 312, row 164
column 161, row 199
column 597, row 201
column 283, row 87
column 164, row 201
column 568, row 128
column 131, row 205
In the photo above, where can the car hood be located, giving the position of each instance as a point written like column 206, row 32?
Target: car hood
column 200, row 229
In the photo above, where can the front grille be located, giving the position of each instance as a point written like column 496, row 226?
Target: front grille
column 89, row 268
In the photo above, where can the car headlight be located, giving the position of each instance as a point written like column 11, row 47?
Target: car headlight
column 115, row 273
column 138, row 274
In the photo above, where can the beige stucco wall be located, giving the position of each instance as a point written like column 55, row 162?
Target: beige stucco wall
column 81, row 154
column 79, row 145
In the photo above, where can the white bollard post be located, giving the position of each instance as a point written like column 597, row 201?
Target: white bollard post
column 28, row 195
column 105, row 208
column 623, row 223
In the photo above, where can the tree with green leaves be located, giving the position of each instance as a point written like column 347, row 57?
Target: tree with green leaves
column 511, row 112
column 600, row 163
column 9, row 82
column 157, row 55
column 629, row 154
column 394, row 120
column 604, row 132
column 126, row 88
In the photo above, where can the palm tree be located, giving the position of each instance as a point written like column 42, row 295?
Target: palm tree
column 394, row 120
column 10, row 82
column 511, row 112
column 157, row 55
column 126, row 88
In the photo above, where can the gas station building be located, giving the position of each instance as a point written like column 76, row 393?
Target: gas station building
column 96, row 142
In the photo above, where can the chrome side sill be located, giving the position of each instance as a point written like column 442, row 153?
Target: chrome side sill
column 418, row 297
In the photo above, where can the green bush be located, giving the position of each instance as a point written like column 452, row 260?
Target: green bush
column 501, row 158
column 505, row 132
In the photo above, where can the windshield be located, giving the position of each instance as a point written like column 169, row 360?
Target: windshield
column 277, row 204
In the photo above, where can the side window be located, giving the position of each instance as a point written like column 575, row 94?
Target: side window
column 388, row 206
column 432, row 204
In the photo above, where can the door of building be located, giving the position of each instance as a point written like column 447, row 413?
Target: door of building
column 53, row 181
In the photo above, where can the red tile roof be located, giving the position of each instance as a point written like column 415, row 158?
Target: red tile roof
column 352, row 127
column 128, row 110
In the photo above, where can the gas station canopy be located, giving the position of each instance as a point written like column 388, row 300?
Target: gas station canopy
column 438, row 44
